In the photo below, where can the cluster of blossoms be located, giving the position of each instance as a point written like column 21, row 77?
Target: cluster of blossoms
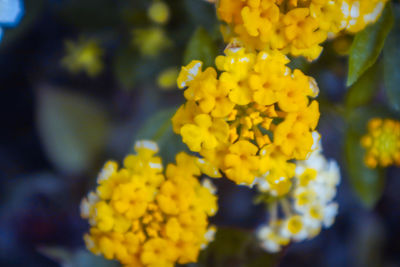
column 142, row 217
column 298, row 27
column 301, row 214
column 382, row 143
column 153, row 39
column 252, row 118
column 84, row 55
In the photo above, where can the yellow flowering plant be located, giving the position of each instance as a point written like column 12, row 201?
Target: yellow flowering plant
column 297, row 27
column 307, row 208
column 382, row 143
column 84, row 55
column 249, row 115
column 143, row 216
column 252, row 118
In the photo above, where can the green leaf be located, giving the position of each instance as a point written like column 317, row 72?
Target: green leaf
column 368, row 44
column 73, row 128
column 364, row 89
column 200, row 13
column 79, row 258
column 236, row 247
column 159, row 129
column 124, row 67
column 90, row 14
column 201, row 47
column 391, row 59
column 367, row 183
column 230, row 245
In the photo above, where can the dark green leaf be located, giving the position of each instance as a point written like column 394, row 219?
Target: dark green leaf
column 362, row 91
column 91, row 14
column 201, row 47
column 367, row 183
column 368, row 44
column 201, row 13
column 124, row 67
column 229, row 247
column 391, row 59
column 236, row 247
column 79, row 258
column 73, row 128
column 159, row 129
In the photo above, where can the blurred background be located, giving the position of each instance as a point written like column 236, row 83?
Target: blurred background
column 82, row 79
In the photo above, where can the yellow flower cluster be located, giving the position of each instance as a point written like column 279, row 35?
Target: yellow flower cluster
column 252, row 118
column 84, row 55
column 152, row 40
column 297, row 27
column 382, row 143
column 142, row 217
column 306, row 208
column 158, row 12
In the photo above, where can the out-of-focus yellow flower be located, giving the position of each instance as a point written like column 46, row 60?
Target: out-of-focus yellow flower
column 382, row 143
column 151, row 41
column 167, row 78
column 159, row 12
column 307, row 205
column 84, row 55
column 143, row 217
column 251, row 119
column 295, row 27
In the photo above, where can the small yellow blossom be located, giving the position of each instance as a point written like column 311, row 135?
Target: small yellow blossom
column 142, row 216
column 159, row 12
column 307, row 205
column 252, row 118
column 382, row 143
column 295, row 27
column 167, row 79
column 151, row 41
column 84, row 55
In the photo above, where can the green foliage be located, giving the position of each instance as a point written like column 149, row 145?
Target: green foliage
column 124, row 67
column 201, row 13
column 79, row 258
column 91, row 14
column 201, row 47
column 368, row 44
column 364, row 89
column 73, row 128
column 367, row 183
column 235, row 247
column 158, row 128
column 391, row 59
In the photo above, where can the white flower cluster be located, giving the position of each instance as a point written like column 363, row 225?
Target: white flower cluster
column 307, row 208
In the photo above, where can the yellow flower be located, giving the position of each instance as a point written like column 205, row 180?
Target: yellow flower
column 382, row 143
column 255, row 104
column 295, row 27
column 241, row 162
column 143, row 217
column 151, row 41
column 167, row 78
column 205, row 133
column 84, row 55
column 159, row 12
column 307, row 204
